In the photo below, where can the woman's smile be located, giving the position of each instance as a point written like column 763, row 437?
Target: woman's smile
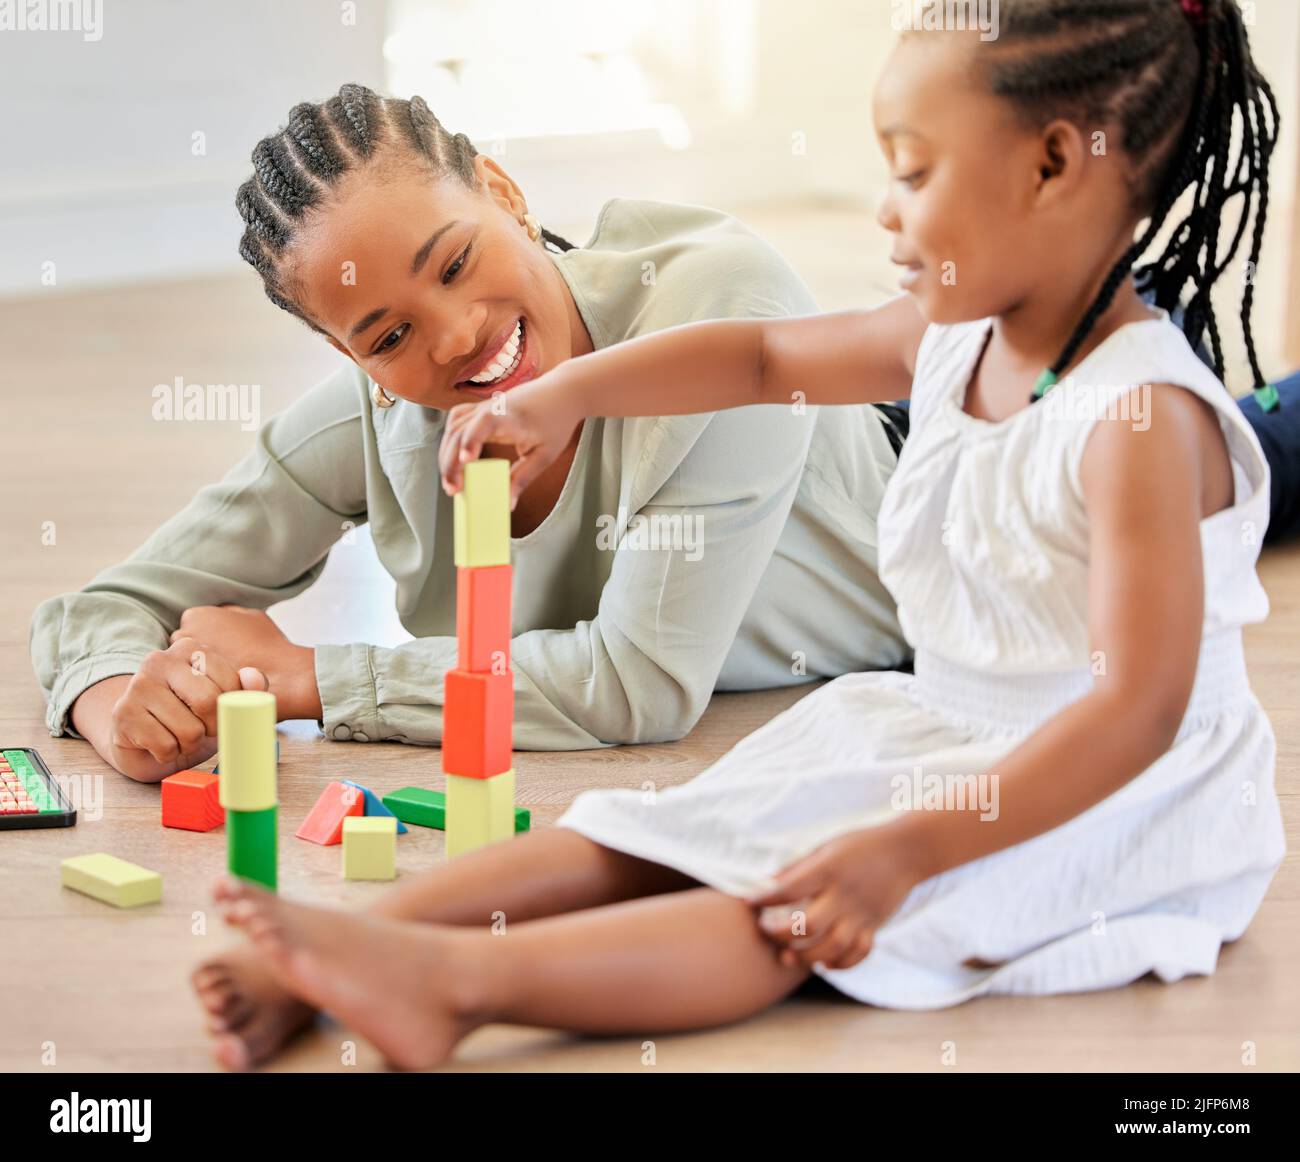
column 505, row 362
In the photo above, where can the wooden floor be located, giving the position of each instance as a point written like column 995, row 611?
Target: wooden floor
column 106, row 990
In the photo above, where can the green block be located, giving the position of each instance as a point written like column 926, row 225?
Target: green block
column 250, row 851
column 425, row 808
column 419, row 806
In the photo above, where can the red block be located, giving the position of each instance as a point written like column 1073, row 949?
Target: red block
column 483, row 618
column 477, row 716
column 325, row 823
column 189, row 801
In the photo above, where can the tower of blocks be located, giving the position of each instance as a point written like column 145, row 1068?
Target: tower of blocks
column 478, row 697
column 246, row 755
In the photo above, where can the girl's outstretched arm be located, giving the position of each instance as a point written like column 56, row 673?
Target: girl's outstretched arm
column 842, row 358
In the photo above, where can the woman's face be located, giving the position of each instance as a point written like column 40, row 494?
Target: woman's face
column 428, row 285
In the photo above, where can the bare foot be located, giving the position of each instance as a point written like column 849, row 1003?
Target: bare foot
column 251, row 1016
column 398, row 983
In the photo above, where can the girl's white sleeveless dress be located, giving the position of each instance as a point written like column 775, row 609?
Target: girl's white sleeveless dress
column 984, row 543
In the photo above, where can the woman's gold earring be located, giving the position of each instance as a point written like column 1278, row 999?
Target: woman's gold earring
column 381, row 397
column 533, row 226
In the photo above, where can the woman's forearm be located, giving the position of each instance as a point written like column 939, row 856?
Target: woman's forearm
column 1087, row 752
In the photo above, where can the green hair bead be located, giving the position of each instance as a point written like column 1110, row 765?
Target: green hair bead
column 1267, row 398
column 1045, row 381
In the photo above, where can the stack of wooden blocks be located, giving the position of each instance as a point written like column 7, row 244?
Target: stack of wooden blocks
column 478, row 698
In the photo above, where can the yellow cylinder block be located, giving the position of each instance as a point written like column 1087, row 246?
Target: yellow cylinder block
column 246, row 750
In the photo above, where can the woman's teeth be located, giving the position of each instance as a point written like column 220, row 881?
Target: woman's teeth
column 507, row 359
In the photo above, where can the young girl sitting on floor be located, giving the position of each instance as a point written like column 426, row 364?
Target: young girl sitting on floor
column 1074, row 589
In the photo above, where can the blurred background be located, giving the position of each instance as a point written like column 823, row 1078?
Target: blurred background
column 121, row 150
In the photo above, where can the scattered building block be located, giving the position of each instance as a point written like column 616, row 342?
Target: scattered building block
column 370, row 847
column 417, row 805
column 191, row 801
column 324, row 825
column 373, row 804
column 247, row 751
column 478, row 715
column 483, row 619
column 425, row 808
column 481, row 515
column 113, row 880
column 479, row 811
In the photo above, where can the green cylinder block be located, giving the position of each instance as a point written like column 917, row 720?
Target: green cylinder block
column 250, row 837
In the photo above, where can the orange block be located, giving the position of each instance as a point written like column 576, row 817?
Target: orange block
column 477, row 719
column 325, row 823
column 483, row 618
column 189, row 801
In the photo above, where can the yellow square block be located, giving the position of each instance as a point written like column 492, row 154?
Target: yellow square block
column 481, row 515
column 479, row 811
column 369, row 847
column 113, row 880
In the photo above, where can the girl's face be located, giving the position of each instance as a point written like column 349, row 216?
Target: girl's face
column 428, row 285
column 966, row 202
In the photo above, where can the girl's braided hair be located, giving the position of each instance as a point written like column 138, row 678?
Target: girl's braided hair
column 1173, row 76
column 294, row 169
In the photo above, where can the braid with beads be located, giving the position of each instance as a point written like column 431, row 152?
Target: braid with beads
column 295, row 168
column 1174, row 76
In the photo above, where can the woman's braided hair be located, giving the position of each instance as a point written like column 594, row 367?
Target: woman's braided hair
column 1173, row 76
column 294, row 169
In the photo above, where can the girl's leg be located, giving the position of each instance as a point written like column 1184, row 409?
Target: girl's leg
column 251, row 1015
column 684, row 960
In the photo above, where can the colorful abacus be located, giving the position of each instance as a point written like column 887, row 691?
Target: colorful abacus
column 478, row 700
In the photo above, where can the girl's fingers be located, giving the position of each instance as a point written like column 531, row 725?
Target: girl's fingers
column 799, row 881
column 830, row 948
column 856, row 952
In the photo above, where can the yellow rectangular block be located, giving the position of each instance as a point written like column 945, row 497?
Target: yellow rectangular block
column 481, row 515
column 369, row 847
column 479, row 811
column 113, row 880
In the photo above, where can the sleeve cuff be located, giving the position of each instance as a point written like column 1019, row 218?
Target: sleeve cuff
column 79, row 677
column 345, row 679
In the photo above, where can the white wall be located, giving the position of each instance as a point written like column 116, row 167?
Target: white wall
column 97, row 172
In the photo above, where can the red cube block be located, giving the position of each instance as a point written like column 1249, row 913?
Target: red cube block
column 483, row 619
column 477, row 719
column 189, row 801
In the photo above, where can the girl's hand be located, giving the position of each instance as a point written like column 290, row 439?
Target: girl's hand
column 826, row 908
column 535, row 422
column 166, row 717
column 251, row 638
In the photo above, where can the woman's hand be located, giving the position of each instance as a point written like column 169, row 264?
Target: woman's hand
column 251, row 638
column 163, row 718
column 534, row 418
column 826, row 908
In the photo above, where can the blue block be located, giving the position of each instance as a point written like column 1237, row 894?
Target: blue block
column 374, row 805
